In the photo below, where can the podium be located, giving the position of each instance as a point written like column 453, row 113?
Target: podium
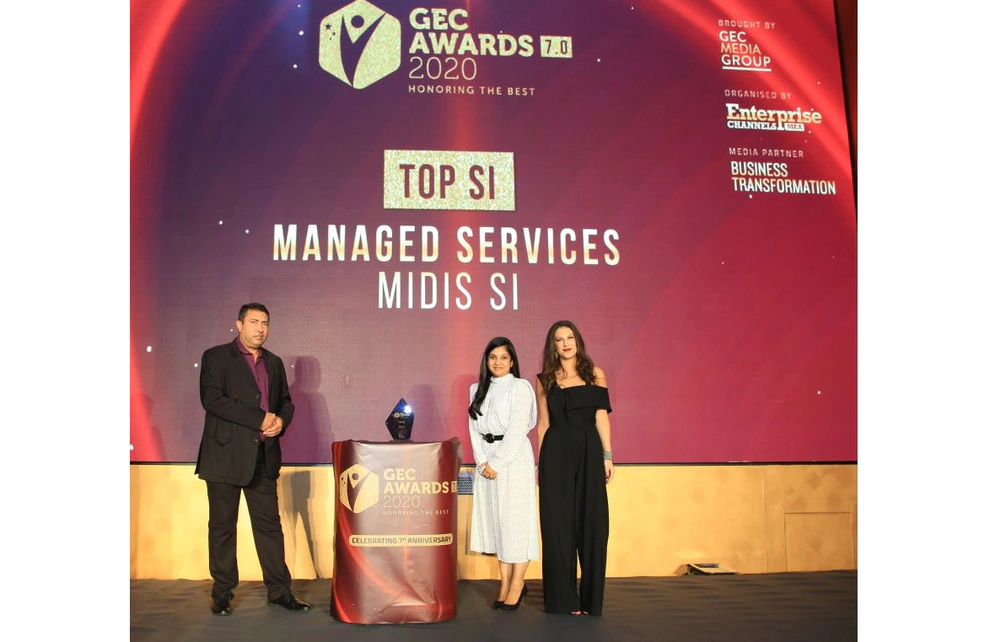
column 395, row 531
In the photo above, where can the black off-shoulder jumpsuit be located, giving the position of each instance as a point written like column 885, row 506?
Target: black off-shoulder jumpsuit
column 573, row 501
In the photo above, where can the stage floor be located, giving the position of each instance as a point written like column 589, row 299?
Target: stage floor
column 807, row 607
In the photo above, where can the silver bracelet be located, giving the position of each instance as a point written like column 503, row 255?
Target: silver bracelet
column 608, row 455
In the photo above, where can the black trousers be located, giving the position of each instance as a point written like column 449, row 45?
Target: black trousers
column 267, row 532
column 573, row 519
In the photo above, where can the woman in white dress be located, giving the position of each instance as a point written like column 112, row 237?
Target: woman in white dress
column 504, row 517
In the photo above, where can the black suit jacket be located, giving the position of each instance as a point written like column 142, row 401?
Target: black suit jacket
column 228, row 392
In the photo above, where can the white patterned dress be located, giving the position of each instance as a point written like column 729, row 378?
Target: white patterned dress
column 504, row 519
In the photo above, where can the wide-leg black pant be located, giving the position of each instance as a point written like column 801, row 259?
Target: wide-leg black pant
column 573, row 517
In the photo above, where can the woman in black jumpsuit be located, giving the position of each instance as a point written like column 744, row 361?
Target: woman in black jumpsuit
column 575, row 464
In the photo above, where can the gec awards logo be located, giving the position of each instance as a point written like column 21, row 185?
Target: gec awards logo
column 360, row 44
column 358, row 488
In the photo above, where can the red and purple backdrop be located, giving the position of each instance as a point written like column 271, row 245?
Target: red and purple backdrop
column 399, row 182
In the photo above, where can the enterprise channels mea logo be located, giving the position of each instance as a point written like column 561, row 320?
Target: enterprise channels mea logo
column 358, row 488
column 360, row 44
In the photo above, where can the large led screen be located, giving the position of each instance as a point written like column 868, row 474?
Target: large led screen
column 401, row 181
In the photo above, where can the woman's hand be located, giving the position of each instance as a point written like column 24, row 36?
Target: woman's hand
column 609, row 470
column 487, row 472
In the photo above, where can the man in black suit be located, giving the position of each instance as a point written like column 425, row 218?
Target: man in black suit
column 240, row 453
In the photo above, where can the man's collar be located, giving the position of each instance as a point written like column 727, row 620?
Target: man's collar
column 243, row 349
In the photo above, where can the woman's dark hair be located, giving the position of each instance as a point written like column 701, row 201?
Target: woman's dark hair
column 484, row 378
column 551, row 360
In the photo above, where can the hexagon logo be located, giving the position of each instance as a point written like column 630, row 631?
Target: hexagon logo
column 358, row 488
column 360, row 44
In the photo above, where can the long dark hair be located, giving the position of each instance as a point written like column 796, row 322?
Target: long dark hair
column 551, row 360
column 484, row 378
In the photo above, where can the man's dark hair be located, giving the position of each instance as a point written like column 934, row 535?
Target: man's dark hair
column 251, row 306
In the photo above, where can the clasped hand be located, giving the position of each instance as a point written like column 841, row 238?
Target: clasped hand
column 272, row 425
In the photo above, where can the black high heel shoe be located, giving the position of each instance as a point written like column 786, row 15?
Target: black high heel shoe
column 514, row 607
column 497, row 604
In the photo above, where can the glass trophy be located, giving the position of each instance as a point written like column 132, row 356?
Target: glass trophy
column 400, row 421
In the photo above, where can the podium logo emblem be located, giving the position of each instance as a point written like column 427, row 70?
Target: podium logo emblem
column 358, row 488
column 360, row 44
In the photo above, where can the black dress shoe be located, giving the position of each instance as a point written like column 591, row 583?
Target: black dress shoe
column 497, row 604
column 291, row 603
column 222, row 605
column 514, row 607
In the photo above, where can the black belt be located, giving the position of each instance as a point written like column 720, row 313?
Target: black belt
column 489, row 438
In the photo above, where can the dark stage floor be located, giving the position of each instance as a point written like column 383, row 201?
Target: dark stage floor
column 779, row 606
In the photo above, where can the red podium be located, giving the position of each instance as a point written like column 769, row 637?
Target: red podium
column 395, row 531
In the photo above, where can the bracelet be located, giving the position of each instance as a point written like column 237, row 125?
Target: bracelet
column 608, row 455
